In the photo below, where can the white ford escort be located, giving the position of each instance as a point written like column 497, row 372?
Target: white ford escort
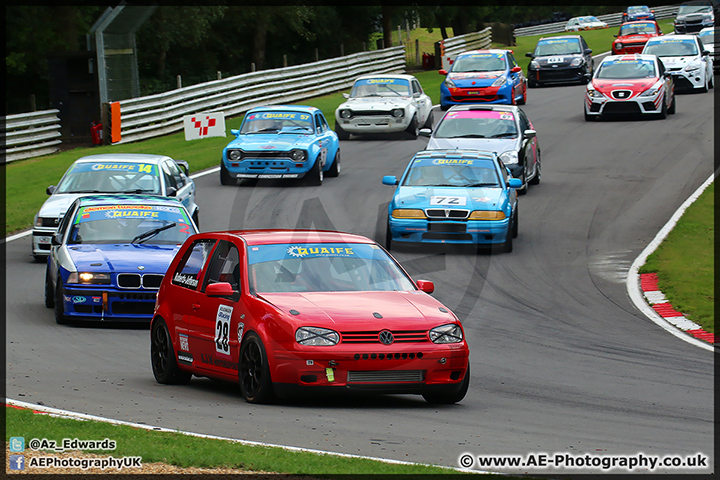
column 384, row 104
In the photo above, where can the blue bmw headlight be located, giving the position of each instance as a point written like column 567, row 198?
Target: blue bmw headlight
column 298, row 155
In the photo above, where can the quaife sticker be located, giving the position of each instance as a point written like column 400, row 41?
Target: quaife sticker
column 222, row 329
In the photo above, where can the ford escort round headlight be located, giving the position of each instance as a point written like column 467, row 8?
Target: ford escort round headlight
column 298, row 155
column 235, row 155
column 345, row 113
column 618, row 45
column 316, row 336
column 450, row 333
column 398, row 112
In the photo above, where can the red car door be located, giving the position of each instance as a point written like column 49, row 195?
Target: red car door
column 218, row 321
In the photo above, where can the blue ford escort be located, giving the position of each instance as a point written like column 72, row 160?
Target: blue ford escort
column 110, row 254
column 454, row 196
column 282, row 141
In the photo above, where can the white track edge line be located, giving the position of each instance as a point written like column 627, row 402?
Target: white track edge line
column 633, row 282
column 84, row 416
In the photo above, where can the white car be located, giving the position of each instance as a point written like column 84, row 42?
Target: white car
column 584, row 23
column 710, row 43
column 685, row 58
column 384, row 104
column 118, row 173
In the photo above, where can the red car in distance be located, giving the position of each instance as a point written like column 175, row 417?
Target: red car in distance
column 633, row 36
column 282, row 311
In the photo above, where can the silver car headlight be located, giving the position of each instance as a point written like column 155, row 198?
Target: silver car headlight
column 345, row 113
column 235, row 155
column 509, row 157
column 450, row 333
column 691, row 67
column 298, row 155
column 398, row 112
column 594, row 93
column 316, row 336
column 449, row 83
column 578, row 61
column 534, row 64
column 500, row 81
column 652, row 91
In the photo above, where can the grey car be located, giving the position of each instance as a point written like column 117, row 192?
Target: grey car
column 504, row 129
column 128, row 173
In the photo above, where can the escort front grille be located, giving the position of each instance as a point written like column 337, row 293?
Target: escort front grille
column 135, row 280
column 371, row 113
column 447, row 214
column 386, row 376
column 401, row 336
column 266, row 154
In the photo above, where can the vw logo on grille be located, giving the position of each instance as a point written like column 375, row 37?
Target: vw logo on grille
column 386, row 337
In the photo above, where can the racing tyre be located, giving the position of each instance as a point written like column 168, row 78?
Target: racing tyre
column 589, row 118
column 430, row 121
column 254, row 371
column 388, row 237
column 315, row 175
column 515, row 227
column 334, row 169
column 342, row 134
column 532, row 83
column 49, row 294
column 196, row 218
column 711, row 85
column 412, row 129
column 444, row 107
column 162, row 356
column 536, row 179
column 450, row 395
column 60, row 317
column 225, row 177
column 663, row 113
column 671, row 110
column 523, row 190
column 523, row 99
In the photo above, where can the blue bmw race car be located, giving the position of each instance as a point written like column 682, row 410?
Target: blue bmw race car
column 281, row 141
column 483, row 76
column 110, row 254
column 454, row 196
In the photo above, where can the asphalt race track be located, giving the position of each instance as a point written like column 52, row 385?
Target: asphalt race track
column 561, row 359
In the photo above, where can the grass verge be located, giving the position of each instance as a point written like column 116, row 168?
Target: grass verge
column 685, row 262
column 187, row 451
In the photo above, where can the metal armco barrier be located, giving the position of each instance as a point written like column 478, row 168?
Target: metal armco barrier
column 29, row 135
column 449, row 48
column 160, row 114
column 612, row 19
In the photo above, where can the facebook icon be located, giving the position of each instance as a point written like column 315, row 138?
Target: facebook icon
column 17, row 462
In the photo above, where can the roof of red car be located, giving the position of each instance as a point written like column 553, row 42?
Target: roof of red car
column 271, row 236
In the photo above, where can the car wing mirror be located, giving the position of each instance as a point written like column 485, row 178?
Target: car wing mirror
column 529, row 133
column 425, row 132
column 515, row 183
column 443, row 72
column 346, row 95
column 516, row 69
column 56, row 239
column 390, row 180
column 184, row 166
column 234, row 131
column 587, row 51
column 426, row 286
column 220, row 289
column 50, row 189
column 171, row 191
column 529, row 54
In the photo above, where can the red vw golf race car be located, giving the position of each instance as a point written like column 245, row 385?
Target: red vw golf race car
column 281, row 311
column 630, row 85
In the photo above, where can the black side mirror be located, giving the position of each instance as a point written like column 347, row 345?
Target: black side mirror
column 184, row 166
column 56, row 239
column 529, row 54
column 171, row 191
column 50, row 189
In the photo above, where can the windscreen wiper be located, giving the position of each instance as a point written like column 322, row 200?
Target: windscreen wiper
column 152, row 233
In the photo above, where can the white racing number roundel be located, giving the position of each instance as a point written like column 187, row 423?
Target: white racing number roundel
column 222, row 329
